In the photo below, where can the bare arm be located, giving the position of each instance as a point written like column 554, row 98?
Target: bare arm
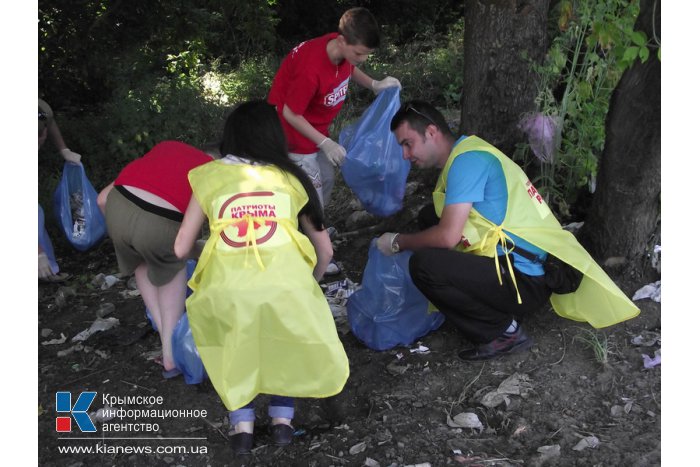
column 102, row 197
column 446, row 234
column 189, row 229
column 56, row 136
column 322, row 244
column 299, row 123
column 361, row 78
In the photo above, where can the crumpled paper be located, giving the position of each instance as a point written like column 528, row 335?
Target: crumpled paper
column 100, row 324
column 652, row 291
column 652, row 362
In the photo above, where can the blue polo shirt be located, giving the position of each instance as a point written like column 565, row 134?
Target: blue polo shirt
column 477, row 177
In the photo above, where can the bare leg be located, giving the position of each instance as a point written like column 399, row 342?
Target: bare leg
column 166, row 304
column 171, row 299
column 149, row 293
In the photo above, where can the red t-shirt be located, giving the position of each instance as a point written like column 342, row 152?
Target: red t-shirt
column 163, row 170
column 312, row 86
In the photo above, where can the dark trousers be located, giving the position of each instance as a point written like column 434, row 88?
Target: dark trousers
column 465, row 288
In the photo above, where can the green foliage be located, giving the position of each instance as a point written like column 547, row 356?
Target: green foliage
column 593, row 45
column 430, row 67
column 598, row 343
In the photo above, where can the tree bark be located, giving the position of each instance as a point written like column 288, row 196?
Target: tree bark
column 500, row 39
column 626, row 208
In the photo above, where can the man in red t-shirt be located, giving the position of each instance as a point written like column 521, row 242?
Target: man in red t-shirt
column 310, row 87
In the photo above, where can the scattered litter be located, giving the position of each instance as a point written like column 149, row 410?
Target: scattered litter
column 299, row 432
column 652, row 362
column 399, row 355
column 46, row 332
column 573, row 227
column 358, row 448
column 130, row 293
column 100, row 324
column 517, row 384
column 457, row 451
column 465, row 420
column 70, row 350
column 647, row 339
column 616, row 410
column 652, row 291
column 104, row 282
column 421, row 349
column 549, row 452
column 337, row 294
column 587, row 442
column 105, row 309
column 56, row 341
column 369, row 462
column 423, row 464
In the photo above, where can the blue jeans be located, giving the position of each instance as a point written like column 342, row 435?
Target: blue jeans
column 280, row 407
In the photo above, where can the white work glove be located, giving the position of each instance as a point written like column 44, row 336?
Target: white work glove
column 70, row 156
column 333, row 151
column 44, row 266
column 384, row 243
column 388, row 82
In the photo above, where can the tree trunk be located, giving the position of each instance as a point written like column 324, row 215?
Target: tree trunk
column 500, row 39
column 626, row 207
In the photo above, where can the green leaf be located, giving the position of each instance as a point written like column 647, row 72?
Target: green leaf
column 630, row 54
column 639, row 38
column 644, row 54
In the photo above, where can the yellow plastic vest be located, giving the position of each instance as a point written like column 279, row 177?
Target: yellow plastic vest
column 598, row 300
column 259, row 319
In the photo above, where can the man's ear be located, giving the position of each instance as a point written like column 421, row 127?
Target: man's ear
column 431, row 131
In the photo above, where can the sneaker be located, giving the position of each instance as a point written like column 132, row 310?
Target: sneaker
column 505, row 344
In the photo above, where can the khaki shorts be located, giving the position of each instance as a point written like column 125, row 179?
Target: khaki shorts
column 140, row 236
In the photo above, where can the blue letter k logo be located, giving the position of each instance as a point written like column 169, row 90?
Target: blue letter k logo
column 79, row 410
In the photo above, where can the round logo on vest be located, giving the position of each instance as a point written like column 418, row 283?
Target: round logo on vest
column 254, row 212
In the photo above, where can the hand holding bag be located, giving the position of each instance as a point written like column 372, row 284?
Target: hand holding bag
column 75, row 206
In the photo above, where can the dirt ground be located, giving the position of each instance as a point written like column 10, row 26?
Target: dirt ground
column 562, row 406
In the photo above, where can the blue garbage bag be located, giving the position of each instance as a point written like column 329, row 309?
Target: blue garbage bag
column 388, row 310
column 75, row 207
column 374, row 167
column 185, row 353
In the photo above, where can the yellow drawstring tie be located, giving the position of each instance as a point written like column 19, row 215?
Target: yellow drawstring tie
column 503, row 239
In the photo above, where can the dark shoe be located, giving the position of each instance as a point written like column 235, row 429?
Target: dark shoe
column 505, row 344
column 282, row 434
column 241, row 443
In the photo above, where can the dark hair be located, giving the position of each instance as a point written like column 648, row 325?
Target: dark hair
column 359, row 27
column 253, row 131
column 420, row 114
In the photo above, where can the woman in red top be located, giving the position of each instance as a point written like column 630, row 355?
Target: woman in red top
column 143, row 210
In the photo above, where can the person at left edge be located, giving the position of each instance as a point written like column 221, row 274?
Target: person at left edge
column 48, row 129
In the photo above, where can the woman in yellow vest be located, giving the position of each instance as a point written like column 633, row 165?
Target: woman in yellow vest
column 480, row 260
column 259, row 318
